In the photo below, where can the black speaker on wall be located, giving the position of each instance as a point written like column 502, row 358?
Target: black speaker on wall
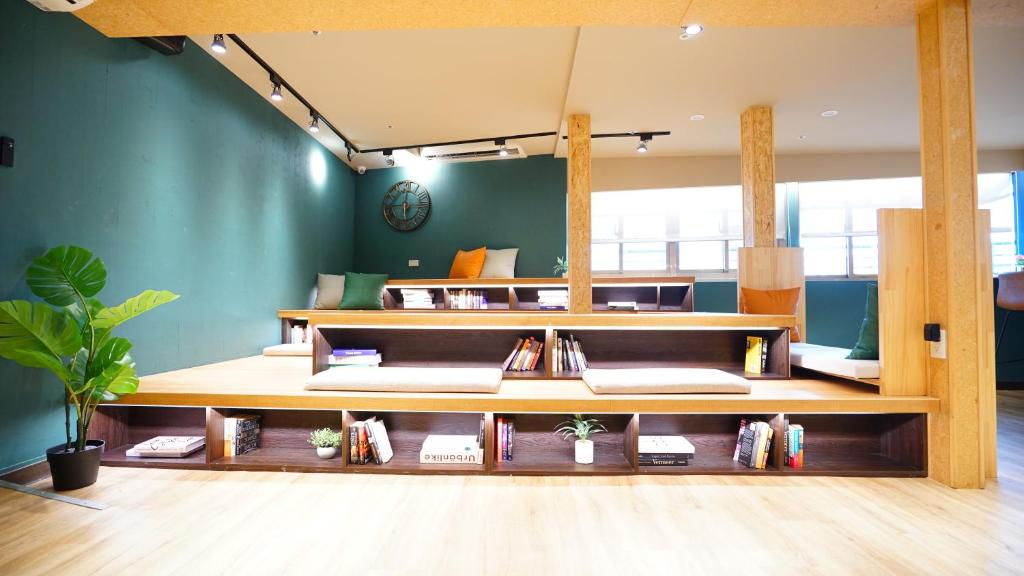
column 6, row 151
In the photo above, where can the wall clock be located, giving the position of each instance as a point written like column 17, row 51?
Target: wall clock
column 406, row 206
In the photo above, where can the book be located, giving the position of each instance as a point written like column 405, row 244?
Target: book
column 356, row 360
column 663, row 461
column 342, row 352
column 353, row 444
column 374, row 449
column 794, row 446
column 747, row 448
column 766, row 443
column 739, row 439
column 451, row 449
column 384, row 453
column 364, row 443
column 665, row 446
column 623, row 306
column 752, row 359
column 512, row 355
column 167, row 447
column 241, row 434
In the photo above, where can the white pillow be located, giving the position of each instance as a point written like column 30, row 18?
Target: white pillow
column 329, row 290
column 500, row 263
column 407, row 379
column 664, row 381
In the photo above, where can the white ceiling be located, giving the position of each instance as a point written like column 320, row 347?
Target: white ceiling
column 402, row 87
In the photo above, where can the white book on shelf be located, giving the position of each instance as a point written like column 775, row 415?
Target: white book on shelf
column 665, row 445
column 380, row 436
column 451, row 449
column 373, row 360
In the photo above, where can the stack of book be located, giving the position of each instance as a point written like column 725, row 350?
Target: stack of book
column 241, row 434
column 623, row 306
column 368, row 442
column 567, row 355
column 167, row 447
column 505, row 438
column 753, row 444
column 553, row 299
column 525, row 355
column 349, row 357
column 756, row 358
column 665, row 451
column 454, row 448
column 793, row 444
column 468, row 299
column 417, row 299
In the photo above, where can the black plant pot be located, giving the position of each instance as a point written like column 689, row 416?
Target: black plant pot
column 70, row 470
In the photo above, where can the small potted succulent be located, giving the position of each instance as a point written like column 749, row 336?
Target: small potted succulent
column 326, row 442
column 561, row 267
column 1020, row 262
column 582, row 428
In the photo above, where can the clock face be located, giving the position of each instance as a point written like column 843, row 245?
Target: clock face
column 406, row 206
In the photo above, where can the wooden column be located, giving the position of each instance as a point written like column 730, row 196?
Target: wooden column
column 580, row 293
column 952, row 298
column 757, row 161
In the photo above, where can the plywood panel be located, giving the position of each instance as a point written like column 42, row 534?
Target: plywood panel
column 757, row 175
column 986, row 337
column 903, row 353
column 580, row 296
column 774, row 269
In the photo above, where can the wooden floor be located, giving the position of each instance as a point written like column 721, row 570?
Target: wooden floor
column 197, row 523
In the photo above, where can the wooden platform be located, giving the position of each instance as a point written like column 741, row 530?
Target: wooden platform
column 277, row 382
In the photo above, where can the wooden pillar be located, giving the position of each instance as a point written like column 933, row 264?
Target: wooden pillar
column 952, row 298
column 757, row 170
column 580, row 293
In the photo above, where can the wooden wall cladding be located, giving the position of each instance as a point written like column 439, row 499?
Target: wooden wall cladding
column 903, row 353
column 774, row 269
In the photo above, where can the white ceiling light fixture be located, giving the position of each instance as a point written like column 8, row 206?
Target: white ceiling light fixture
column 218, row 44
column 830, row 113
column 690, row 30
column 276, row 94
column 389, row 158
column 314, row 122
column 697, row 117
column 502, row 149
column 645, row 139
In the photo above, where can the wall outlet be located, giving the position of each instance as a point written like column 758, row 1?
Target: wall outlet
column 938, row 349
column 414, row 263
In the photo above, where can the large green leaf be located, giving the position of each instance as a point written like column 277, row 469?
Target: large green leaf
column 117, row 379
column 37, row 336
column 108, row 318
column 64, row 273
column 113, row 351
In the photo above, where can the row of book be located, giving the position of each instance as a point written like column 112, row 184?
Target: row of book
column 553, row 299
column 167, row 447
column 368, row 442
column 793, row 445
column 525, row 355
column 417, row 298
column 454, row 448
column 505, row 438
column 665, row 451
column 351, row 357
column 756, row 358
column 567, row 355
column 753, row 444
column 466, row 299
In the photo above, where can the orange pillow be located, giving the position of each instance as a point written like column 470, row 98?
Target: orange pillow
column 785, row 301
column 468, row 264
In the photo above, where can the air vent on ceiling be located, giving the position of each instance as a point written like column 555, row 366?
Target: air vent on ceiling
column 474, row 153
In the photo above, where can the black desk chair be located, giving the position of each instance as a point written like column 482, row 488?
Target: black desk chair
column 1010, row 297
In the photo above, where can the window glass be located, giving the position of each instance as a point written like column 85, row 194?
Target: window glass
column 604, row 257
column 825, row 256
column 865, row 255
column 702, row 255
column 643, row 255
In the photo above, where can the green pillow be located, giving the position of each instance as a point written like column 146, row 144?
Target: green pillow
column 363, row 291
column 867, row 342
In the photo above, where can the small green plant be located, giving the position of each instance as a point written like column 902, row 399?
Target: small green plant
column 324, row 438
column 580, row 427
column 561, row 266
column 1020, row 261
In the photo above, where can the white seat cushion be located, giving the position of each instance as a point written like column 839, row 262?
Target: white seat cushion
column 407, row 379
column 289, row 350
column 664, row 381
column 830, row 360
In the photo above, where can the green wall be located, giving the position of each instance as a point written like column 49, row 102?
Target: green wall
column 500, row 204
column 179, row 176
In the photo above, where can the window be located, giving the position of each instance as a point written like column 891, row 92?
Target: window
column 995, row 193
column 669, row 231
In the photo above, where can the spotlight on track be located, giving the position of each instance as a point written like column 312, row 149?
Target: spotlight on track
column 389, row 158
column 276, row 94
column 218, row 44
column 314, row 122
column 645, row 139
column 502, row 149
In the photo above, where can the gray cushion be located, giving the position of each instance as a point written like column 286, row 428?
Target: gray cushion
column 329, row 290
column 407, row 379
column 500, row 263
column 664, row 381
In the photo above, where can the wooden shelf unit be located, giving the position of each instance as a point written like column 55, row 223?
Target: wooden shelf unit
column 890, row 445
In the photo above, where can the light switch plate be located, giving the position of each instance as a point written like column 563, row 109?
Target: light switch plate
column 414, row 263
column 938, row 349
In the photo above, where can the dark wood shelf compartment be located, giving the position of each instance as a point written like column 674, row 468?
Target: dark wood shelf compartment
column 122, row 427
column 539, row 450
column 283, row 441
column 675, row 298
column 406, row 433
column 450, row 348
column 646, row 297
column 393, row 298
column 863, row 444
column 714, row 441
column 498, row 298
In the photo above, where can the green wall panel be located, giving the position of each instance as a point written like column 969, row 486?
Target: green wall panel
column 500, row 204
column 179, row 176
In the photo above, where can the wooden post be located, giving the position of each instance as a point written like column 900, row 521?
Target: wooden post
column 949, row 169
column 580, row 292
column 757, row 174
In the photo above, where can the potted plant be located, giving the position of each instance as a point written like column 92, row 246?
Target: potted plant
column 326, row 442
column 561, row 267
column 1020, row 262
column 72, row 339
column 582, row 428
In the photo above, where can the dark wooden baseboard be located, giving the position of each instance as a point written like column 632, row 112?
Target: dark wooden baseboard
column 28, row 474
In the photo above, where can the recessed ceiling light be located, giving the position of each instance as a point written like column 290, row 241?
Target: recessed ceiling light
column 316, row 33
column 697, row 117
column 802, row 137
column 829, row 113
column 690, row 30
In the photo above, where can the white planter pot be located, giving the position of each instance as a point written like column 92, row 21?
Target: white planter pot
column 584, row 451
column 326, row 453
